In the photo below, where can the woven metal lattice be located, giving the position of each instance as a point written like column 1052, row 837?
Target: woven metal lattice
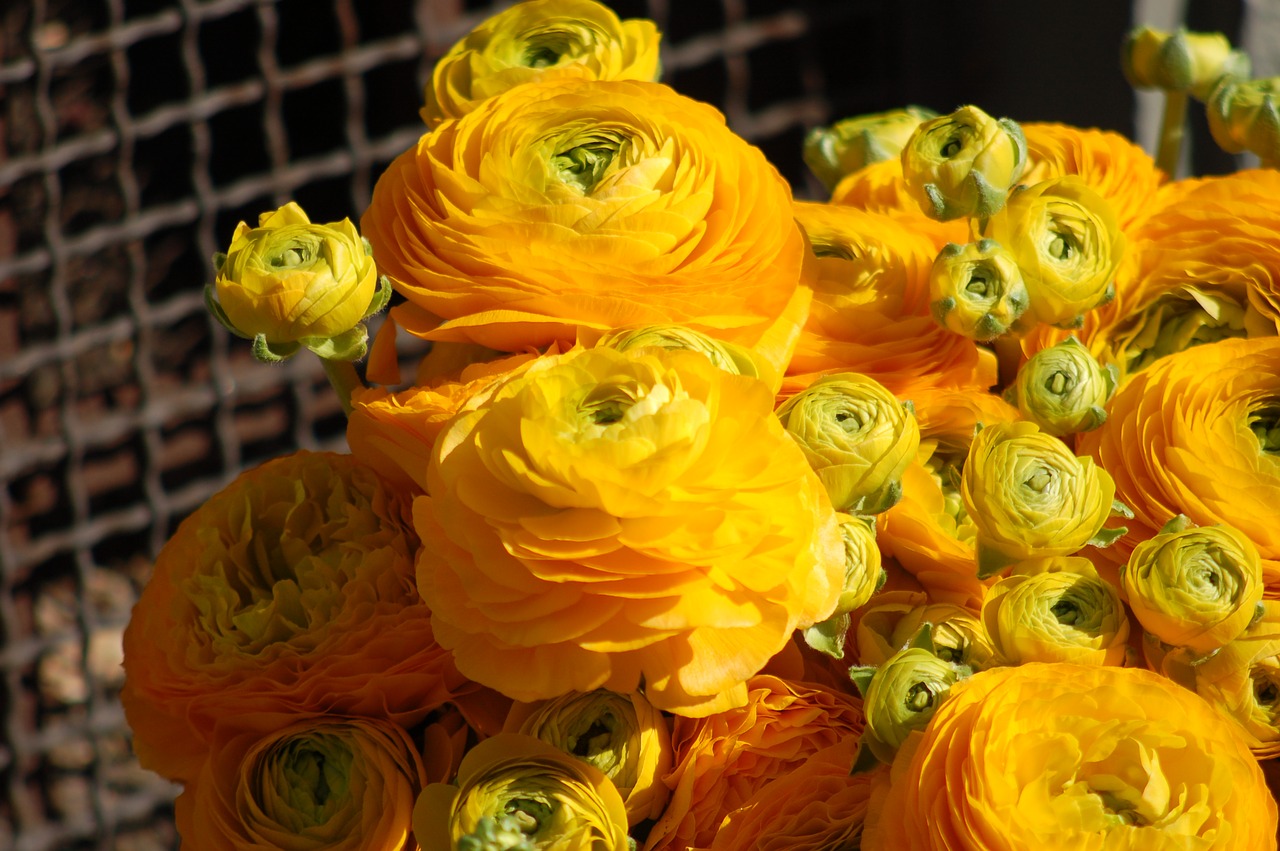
column 136, row 134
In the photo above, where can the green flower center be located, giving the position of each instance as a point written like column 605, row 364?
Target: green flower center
column 1265, row 425
column 1059, row 383
column 584, row 165
column 296, row 252
column 1040, row 479
column 309, row 781
column 920, row 697
column 1066, row 611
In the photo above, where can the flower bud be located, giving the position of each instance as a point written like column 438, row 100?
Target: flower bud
column 976, row 290
column 620, row 734
column 511, row 783
column 1062, row 389
column 963, row 164
column 853, row 143
column 1244, row 116
column 1181, row 61
column 863, row 573
column 289, row 283
column 1194, row 587
column 1067, row 242
column 1029, row 497
column 898, row 616
column 858, row 438
column 1056, row 610
column 901, row 696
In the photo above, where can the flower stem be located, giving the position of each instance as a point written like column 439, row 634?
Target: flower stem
column 344, row 378
column 1171, row 132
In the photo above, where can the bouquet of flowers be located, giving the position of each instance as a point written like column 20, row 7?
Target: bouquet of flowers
column 941, row 515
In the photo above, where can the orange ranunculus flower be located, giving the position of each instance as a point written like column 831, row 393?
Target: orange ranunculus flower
column 620, row 734
column 870, row 310
column 394, row 432
column 516, row 791
column 1191, row 434
column 604, row 519
column 1111, row 165
column 881, row 188
column 1063, row 756
column 816, row 807
column 893, row 618
column 566, row 205
column 291, row 590
column 929, row 532
column 540, row 40
column 312, row 784
column 723, row 760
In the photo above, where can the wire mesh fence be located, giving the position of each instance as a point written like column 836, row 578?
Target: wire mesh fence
column 136, row 134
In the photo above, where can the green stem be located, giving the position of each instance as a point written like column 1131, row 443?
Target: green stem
column 1171, row 132
column 344, row 378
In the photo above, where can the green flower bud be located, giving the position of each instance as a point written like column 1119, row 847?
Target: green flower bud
column 976, row 290
column 963, row 164
column 858, row 438
column 863, row 573
column 1180, row 61
column 853, row 143
column 1192, row 587
column 902, row 696
column 898, row 616
column 1245, row 116
column 1056, row 610
column 1063, row 389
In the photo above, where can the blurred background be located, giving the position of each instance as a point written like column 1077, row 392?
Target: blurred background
column 135, row 134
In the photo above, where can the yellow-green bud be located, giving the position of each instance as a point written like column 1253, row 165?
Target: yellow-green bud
column 902, row 695
column 963, row 164
column 976, row 290
column 1244, row 116
column 854, row 143
column 1180, row 61
column 1063, row 389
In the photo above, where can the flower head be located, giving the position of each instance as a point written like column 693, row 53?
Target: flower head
column 976, row 290
column 963, row 164
column 1063, row 389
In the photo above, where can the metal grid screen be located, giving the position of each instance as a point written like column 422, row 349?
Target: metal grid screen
column 136, row 134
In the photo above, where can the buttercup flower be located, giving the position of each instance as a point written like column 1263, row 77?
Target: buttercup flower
column 1056, row 610
column 898, row 616
column 1029, row 497
column 815, row 807
column 319, row 784
column 1242, row 680
column 525, row 788
column 963, row 164
column 976, row 290
column 566, row 205
column 1180, row 61
column 1073, row 756
column 604, row 518
column 1067, row 242
column 540, row 40
column 853, row 143
column 291, row 590
column 289, row 283
column 620, row 734
column 1203, row 456
column 723, row 760
column 1062, row 389
column 857, row 436
column 1243, row 116
column 902, row 695
column 1194, row 587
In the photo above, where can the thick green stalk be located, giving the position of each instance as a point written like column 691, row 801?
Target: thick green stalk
column 1172, row 130
column 344, row 378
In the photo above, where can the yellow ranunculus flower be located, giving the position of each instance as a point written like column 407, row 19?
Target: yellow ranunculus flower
column 1063, row 390
column 1056, row 610
column 896, row 617
column 853, row 143
column 963, row 164
column 1202, row 456
column 527, row 789
column 289, row 282
column 1194, row 587
column 856, row 436
column 603, row 519
column 1180, row 61
column 862, row 571
column 976, row 290
column 901, row 696
column 1065, row 239
column 1062, row 756
column 309, row 784
column 567, row 205
column 540, row 40
column 620, row 734
column 1243, row 116
column 1029, row 497
column 1242, row 680
column 1112, row 165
